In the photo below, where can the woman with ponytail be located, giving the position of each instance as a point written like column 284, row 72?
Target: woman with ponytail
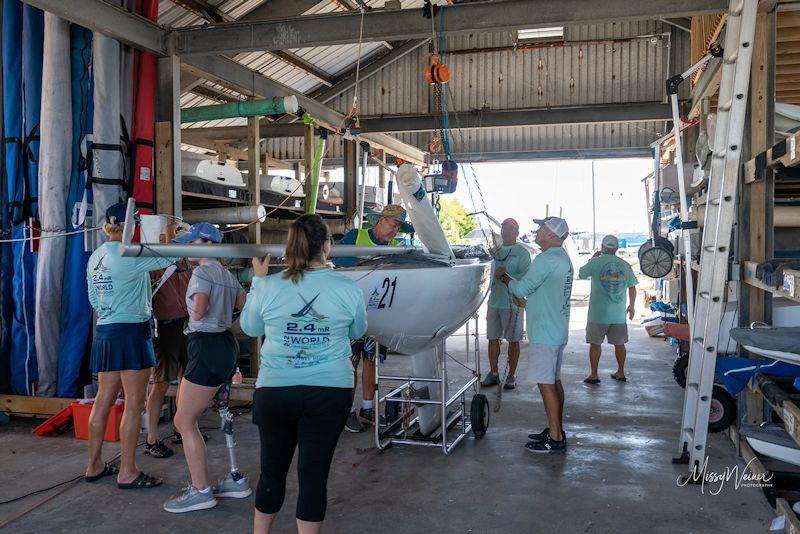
column 307, row 314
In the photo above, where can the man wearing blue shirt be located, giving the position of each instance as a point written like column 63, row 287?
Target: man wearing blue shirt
column 547, row 286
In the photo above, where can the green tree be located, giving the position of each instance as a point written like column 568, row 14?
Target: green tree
column 455, row 221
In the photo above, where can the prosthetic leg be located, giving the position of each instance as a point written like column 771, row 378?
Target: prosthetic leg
column 235, row 483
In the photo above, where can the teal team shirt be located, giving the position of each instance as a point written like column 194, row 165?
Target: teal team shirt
column 516, row 259
column 548, row 288
column 119, row 288
column 307, row 327
column 611, row 277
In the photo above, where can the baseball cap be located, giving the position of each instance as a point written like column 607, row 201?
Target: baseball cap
column 201, row 230
column 610, row 242
column 557, row 225
column 115, row 214
column 397, row 213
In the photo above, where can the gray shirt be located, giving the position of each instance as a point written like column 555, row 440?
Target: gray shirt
column 222, row 289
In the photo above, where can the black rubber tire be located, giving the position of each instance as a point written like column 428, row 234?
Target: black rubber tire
column 479, row 415
column 391, row 411
column 680, row 368
column 723, row 410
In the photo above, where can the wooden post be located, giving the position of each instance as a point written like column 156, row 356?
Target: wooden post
column 350, row 178
column 163, row 163
column 168, row 135
column 254, row 187
column 308, row 160
column 756, row 196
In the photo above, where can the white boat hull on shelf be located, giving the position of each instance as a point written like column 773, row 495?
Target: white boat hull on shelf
column 774, row 442
column 211, row 170
column 788, row 357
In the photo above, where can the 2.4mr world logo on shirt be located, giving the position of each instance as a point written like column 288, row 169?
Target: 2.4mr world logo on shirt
column 101, row 280
column 304, row 333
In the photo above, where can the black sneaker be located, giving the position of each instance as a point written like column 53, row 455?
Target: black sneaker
column 353, row 425
column 548, row 446
column 178, row 439
column 543, row 435
column 367, row 417
column 158, row 450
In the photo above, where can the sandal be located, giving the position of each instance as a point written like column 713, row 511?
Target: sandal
column 108, row 470
column 143, row 481
column 158, row 450
column 615, row 376
column 594, row 381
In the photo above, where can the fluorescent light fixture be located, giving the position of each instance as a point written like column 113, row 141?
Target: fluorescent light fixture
column 540, row 33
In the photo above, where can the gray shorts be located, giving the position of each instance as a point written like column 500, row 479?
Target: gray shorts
column 505, row 324
column 544, row 363
column 616, row 334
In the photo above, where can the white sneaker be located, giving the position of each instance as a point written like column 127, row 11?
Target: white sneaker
column 190, row 500
column 230, row 487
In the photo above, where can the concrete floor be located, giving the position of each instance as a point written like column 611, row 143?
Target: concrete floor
column 616, row 476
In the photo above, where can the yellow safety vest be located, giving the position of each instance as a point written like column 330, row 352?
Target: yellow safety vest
column 364, row 240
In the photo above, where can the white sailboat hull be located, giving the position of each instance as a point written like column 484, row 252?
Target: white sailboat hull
column 411, row 308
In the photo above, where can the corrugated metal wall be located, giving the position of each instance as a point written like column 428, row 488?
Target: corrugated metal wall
column 632, row 66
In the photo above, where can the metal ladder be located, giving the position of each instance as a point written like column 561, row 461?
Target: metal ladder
column 720, row 212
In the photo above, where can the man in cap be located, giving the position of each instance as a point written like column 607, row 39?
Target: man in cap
column 391, row 222
column 612, row 277
column 504, row 319
column 547, row 286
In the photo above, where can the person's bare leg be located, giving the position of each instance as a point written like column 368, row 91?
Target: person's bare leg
column 134, row 383
column 368, row 380
column 155, row 400
column 560, row 391
column 309, row 527
column 262, row 523
column 594, row 359
column 620, row 353
column 194, row 401
column 551, row 408
column 513, row 357
column 108, row 389
column 494, row 354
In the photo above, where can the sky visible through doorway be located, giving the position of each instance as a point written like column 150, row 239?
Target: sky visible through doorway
column 523, row 190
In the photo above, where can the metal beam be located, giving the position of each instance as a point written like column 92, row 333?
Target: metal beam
column 296, row 61
column 588, row 153
column 706, row 86
column 112, row 21
column 684, row 24
column 212, row 94
column 229, row 72
column 593, row 114
column 344, row 28
column 203, row 9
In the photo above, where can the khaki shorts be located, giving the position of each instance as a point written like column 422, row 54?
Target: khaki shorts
column 544, row 363
column 616, row 334
column 505, row 323
column 171, row 350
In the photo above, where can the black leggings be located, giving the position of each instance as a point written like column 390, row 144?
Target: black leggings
column 310, row 418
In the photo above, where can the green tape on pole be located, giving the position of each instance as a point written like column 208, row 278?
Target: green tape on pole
column 245, row 108
column 316, row 169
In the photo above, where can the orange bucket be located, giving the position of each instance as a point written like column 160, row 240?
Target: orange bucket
column 80, row 416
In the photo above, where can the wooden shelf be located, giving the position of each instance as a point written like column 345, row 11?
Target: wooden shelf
column 750, row 279
column 787, row 411
column 785, row 153
column 782, row 507
column 24, row 406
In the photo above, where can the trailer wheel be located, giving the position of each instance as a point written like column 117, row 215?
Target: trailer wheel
column 479, row 415
column 723, row 410
column 392, row 411
column 680, row 368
